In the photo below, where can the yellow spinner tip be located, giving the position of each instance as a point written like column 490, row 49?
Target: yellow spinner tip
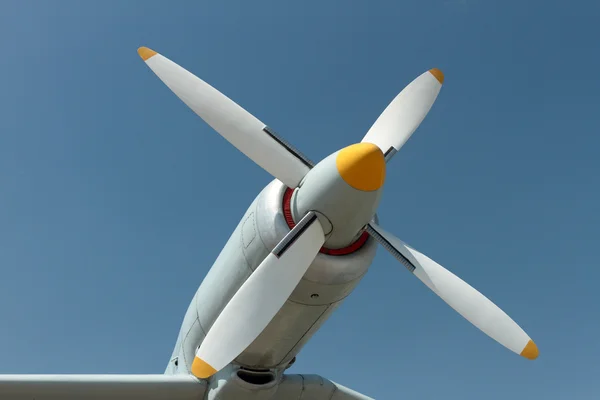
column 362, row 166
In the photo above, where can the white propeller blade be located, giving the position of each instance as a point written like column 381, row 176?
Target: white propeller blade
column 238, row 126
column 259, row 299
column 405, row 113
column 459, row 295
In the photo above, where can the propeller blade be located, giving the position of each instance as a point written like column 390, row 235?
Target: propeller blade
column 405, row 113
column 238, row 126
column 459, row 295
column 259, row 299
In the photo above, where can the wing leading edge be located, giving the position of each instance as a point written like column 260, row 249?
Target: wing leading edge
column 100, row 387
column 155, row 387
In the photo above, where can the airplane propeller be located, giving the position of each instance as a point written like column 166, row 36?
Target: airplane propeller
column 266, row 290
column 259, row 299
column 238, row 126
column 463, row 298
column 405, row 113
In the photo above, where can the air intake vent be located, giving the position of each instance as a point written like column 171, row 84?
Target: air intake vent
column 256, row 377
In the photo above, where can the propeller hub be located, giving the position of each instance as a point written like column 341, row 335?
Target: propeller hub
column 362, row 166
column 344, row 188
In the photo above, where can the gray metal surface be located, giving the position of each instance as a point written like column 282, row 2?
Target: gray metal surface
column 314, row 387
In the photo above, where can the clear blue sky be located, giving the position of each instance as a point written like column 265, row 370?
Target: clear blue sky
column 115, row 198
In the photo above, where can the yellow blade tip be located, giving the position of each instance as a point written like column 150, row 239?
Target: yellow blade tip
column 146, row 53
column 530, row 351
column 201, row 369
column 439, row 75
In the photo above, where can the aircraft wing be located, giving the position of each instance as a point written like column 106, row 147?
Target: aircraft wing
column 314, row 387
column 155, row 387
column 97, row 387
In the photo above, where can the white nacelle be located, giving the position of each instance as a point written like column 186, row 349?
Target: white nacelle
column 327, row 282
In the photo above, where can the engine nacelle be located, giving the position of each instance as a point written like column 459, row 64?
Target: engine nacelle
column 329, row 279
